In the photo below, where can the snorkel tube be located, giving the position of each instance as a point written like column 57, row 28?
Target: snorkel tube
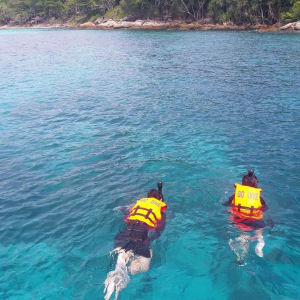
column 159, row 186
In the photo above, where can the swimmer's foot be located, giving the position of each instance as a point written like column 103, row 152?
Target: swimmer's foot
column 116, row 281
column 241, row 262
column 259, row 246
column 259, row 249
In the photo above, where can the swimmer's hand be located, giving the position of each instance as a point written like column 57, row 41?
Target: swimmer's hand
column 123, row 209
column 227, row 203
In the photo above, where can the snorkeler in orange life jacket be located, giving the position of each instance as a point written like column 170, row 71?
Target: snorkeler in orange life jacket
column 247, row 204
column 247, row 207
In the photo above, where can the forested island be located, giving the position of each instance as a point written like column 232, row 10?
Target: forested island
column 209, row 12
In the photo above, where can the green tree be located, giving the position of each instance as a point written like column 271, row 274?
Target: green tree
column 293, row 14
column 5, row 13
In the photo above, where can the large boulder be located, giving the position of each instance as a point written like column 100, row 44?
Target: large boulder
column 149, row 24
column 87, row 25
column 193, row 26
column 175, row 24
column 131, row 18
column 291, row 26
column 220, row 27
column 110, row 24
column 100, row 20
column 138, row 24
column 124, row 24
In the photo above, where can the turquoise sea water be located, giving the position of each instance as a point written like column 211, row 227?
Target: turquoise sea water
column 91, row 120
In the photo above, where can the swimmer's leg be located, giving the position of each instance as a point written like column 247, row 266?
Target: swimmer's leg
column 139, row 264
column 118, row 279
column 260, row 243
column 240, row 246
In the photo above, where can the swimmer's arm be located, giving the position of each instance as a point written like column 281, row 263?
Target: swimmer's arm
column 160, row 228
column 264, row 204
column 125, row 210
column 229, row 202
column 162, row 224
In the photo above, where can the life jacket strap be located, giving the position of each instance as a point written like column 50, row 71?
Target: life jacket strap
column 239, row 206
column 146, row 216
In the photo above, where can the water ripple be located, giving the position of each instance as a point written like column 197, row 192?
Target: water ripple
column 90, row 120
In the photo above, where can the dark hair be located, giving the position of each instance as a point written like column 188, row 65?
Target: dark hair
column 250, row 180
column 155, row 194
column 250, row 172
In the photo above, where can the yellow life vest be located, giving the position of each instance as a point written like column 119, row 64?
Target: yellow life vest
column 147, row 210
column 246, row 203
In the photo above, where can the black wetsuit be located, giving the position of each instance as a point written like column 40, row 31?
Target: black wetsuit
column 136, row 237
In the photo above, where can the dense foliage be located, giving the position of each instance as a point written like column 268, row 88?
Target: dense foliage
column 19, row 12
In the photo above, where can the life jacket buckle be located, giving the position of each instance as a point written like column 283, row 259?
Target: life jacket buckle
column 239, row 207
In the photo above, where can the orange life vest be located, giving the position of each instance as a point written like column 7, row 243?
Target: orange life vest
column 237, row 221
column 246, row 203
column 147, row 210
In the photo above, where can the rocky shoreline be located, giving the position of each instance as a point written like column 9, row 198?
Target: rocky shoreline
column 160, row 25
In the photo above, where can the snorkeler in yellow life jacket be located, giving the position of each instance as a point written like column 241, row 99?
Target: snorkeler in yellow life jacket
column 247, row 207
column 146, row 216
column 246, row 202
column 148, row 210
column 145, row 222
